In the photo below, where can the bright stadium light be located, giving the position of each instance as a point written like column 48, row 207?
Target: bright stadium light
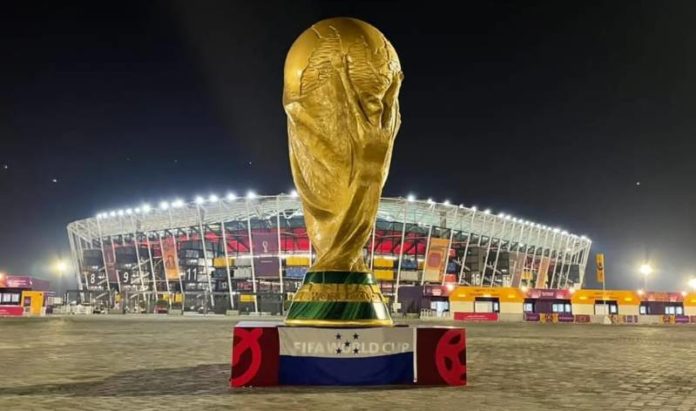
column 487, row 211
column 178, row 203
column 556, row 230
column 430, row 201
column 645, row 269
column 231, row 196
column 213, row 198
column 564, row 232
column 501, row 215
column 507, row 217
column 474, row 208
column 199, row 200
column 164, row 205
column 60, row 266
column 120, row 213
column 137, row 210
column 129, row 211
column 461, row 205
column 293, row 193
column 411, row 198
column 447, row 202
column 146, row 208
column 250, row 194
column 692, row 283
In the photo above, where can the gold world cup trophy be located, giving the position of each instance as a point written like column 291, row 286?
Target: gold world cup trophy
column 341, row 89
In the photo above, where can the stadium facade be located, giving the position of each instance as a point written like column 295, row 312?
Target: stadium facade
column 250, row 254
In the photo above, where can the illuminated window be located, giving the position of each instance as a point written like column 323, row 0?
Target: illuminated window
column 528, row 307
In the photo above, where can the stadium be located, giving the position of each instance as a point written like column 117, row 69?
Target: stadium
column 249, row 254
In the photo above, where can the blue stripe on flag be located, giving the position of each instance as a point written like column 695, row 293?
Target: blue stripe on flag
column 380, row 370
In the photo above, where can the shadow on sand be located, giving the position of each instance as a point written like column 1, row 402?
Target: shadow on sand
column 208, row 379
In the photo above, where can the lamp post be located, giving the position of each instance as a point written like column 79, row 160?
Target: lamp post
column 61, row 267
column 646, row 270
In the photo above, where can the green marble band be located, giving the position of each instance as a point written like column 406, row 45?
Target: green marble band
column 351, row 312
column 338, row 277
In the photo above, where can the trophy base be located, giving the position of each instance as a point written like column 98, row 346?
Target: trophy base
column 338, row 299
column 270, row 354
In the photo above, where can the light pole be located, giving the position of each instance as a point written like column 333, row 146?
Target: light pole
column 61, row 267
column 646, row 270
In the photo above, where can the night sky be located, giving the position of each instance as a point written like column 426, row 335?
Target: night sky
column 580, row 115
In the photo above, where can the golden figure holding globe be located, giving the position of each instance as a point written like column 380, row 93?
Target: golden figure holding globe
column 342, row 81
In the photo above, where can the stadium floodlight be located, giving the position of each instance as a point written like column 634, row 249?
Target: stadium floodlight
column 60, row 266
column 583, row 237
column 411, row 198
column 146, row 208
column 501, row 215
column 461, row 205
column 129, row 211
column 474, row 208
column 199, row 200
column 508, row 216
column 556, row 230
column 430, row 201
column 447, row 202
column 293, row 193
column 564, row 232
column 120, row 213
column 137, row 210
column 487, row 211
column 164, row 205
column 645, row 269
column 692, row 283
column 178, row 203
column 250, row 194
column 231, row 196
column 213, row 198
